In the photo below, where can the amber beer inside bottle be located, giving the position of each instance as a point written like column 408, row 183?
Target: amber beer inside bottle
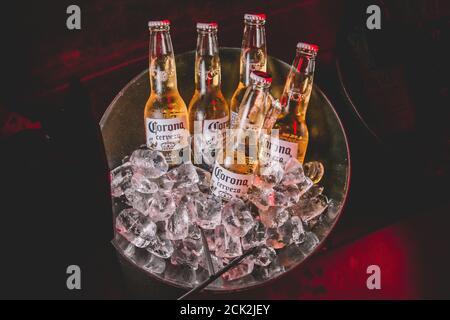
column 292, row 129
column 235, row 166
column 165, row 113
column 208, row 109
column 253, row 58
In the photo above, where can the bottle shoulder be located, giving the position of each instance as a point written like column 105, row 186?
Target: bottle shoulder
column 210, row 106
column 289, row 125
column 169, row 105
column 237, row 96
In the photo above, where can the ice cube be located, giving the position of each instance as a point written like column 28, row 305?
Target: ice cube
column 262, row 197
column 217, row 262
column 138, row 255
column 313, row 192
column 209, row 211
column 241, row 270
column 314, row 170
column 264, row 256
column 186, row 200
column 137, row 200
column 293, row 173
column 183, row 194
column 274, row 239
column 181, row 274
column 162, row 206
column 164, row 183
column 194, row 232
column 311, row 241
column 237, row 218
column 210, row 239
column 227, row 246
column 204, row 180
column 135, row 227
column 187, row 252
column 184, row 176
column 286, row 195
column 129, row 251
column 161, row 246
column 149, row 162
column 178, row 224
column 121, row 179
column 194, row 245
column 142, row 184
column 311, row 208
column 291, row 231
column 255, row 237
column 269, row 272
column 272, row 172
column 274, row 217
column 155, row 264
column 304, row 186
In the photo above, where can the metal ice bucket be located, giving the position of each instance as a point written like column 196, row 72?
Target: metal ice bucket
column 123, row 131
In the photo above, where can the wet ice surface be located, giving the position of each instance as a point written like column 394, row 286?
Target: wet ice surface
column 164, row 212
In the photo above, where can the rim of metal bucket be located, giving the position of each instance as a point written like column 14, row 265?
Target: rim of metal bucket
column 280, row 275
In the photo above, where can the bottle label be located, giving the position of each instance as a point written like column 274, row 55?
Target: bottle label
column 274, row 149
column 233, row 119
column 167, row 134
column 210, row 126
column 227, row 185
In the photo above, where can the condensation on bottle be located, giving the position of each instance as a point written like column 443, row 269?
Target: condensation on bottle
column 253, row 58
column 208, row 109
column 293, row 136
column 235, row 166
column 165, row 113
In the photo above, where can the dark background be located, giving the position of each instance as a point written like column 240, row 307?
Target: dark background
column 392, row 98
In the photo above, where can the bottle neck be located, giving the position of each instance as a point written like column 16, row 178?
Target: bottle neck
column 254, row 103
column 298, row 87
column 253, row 52
column 163, row 75
column 207, row 63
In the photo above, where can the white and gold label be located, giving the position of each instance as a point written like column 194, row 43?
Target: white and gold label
column 227, row 185
column 277, row 149
column 167, row 134
column 215, row 124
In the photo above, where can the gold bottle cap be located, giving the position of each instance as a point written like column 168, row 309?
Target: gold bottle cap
column 207, row 26
column 308, row 46
column 256, row 17
column 158, row 23
column 261, row 77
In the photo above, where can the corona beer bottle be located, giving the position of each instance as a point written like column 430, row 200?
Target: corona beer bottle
column 234, row 168
column 253, row 58
column 291, row 124
column 208, row 110
column 165, row 114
